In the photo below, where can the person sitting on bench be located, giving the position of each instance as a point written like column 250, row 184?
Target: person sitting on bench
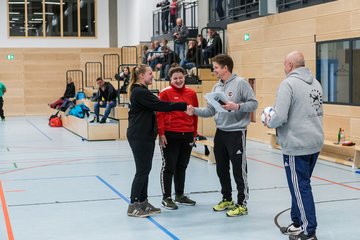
column 106, row 99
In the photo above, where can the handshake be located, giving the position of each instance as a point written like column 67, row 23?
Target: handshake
column 190, row 110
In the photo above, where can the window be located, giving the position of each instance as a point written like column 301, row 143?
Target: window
column 17, row 18
column 51, row 18
column 337, row 71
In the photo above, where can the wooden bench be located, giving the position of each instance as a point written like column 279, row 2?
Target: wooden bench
column 346, row 155
column 90, row 131
column 211, row 157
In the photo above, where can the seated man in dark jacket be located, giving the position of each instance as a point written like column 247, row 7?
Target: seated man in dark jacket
column 106, row 99
column 214, row 46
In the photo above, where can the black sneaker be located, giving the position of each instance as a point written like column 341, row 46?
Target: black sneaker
column 103, row 120
column 302, row 236
column 149, row 208
column 94, row 120
column 135, row 210
column 184, row 200
column 291, row 230
column 168, row 203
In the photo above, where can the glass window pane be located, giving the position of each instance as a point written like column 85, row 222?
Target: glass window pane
column 333, row 61
column 52, row 18
column 70, row 15
column 35, row 18
column 87, row 15
column 356, row 73
column 16, row 18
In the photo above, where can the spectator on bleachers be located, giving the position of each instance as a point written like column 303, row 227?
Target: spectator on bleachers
column 154, row 55
column 173, row 6
column 145, row 52
column 124, row 76
column 220, row 9
column 165, row 5
column 69, row 93
column 201, row 41
column 180, row 33
column 214, row 45
column 169, row 58
column 106, row 99
column 193, row 56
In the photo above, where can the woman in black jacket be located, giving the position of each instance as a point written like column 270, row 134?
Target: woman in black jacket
column 69, row 93
column 141, row 135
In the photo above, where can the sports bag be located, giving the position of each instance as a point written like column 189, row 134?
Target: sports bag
column 55, row 121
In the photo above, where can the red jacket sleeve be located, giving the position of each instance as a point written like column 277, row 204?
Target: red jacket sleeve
column 161, row 115
column 195, row 103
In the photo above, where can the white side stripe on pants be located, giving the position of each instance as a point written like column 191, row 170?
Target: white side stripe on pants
column 299, row 201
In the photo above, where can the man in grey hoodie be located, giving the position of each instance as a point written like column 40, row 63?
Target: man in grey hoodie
column 230, row 136
column 297, row 116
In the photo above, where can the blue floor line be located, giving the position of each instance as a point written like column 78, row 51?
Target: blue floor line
column 152, row 220
column 39, row 130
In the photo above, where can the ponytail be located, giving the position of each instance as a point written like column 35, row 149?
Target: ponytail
column 135, row 72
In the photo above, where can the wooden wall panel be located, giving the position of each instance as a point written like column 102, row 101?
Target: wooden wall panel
column 37, row 77
column 273, row 37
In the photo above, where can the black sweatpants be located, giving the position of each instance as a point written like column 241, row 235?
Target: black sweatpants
column 1, row 107
column 175, row 157
column 143, row 152
column 231, row 146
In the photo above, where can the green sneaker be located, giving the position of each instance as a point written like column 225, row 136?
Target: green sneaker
column 238, row 210
column 223, row 205
column 147, row 207
column 168, row 203
column 184, row 200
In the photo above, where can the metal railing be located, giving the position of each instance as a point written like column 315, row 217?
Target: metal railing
column 163, row 21
column 110, row 63
column 93, row 70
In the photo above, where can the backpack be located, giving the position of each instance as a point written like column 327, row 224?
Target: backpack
column 80, row 95
column 192, row 80
column 80, row 111
column 55, row 121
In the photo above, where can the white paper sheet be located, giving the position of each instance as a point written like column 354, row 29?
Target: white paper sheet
column 214, row 100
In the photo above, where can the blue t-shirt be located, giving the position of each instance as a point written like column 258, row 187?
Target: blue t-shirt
column 2, row 89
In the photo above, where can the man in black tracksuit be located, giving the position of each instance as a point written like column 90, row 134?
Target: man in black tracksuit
column 230, row 136
column 141, row 134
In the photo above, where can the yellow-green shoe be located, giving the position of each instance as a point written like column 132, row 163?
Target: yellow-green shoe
column 238, row 210
column 223, row 205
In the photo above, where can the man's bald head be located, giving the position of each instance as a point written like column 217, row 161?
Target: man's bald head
column 293, row 60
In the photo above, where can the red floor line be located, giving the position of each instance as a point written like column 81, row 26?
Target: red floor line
column 38, row 166
column 320, row 178
column 6, row 213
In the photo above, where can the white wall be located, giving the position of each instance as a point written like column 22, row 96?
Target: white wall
column 101, row 41
column 135, row 21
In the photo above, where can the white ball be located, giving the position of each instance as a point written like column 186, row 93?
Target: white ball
column 268, row 111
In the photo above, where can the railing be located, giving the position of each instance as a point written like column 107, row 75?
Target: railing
column 110, row 64
column 93, row 70
column 163, row 21
column 235, row 10
column 129, row 55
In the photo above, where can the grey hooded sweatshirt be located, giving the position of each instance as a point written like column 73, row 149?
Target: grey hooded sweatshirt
column 298, row 114
column 236, row 90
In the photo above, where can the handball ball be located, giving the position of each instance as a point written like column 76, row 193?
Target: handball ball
column 267, row 110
